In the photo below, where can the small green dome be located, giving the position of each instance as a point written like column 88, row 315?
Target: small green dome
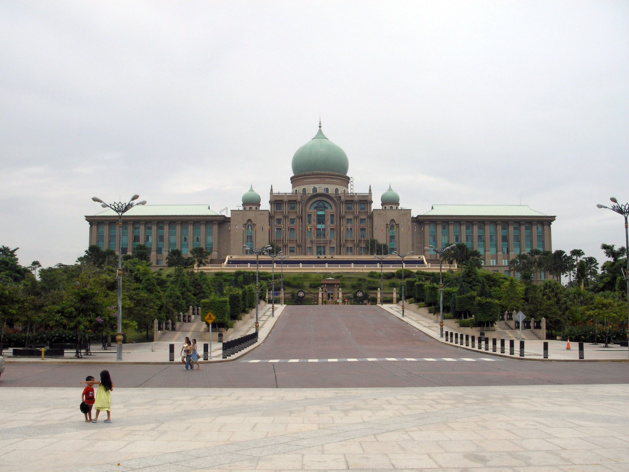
column 251, row 197
column 320, row 155
column 390, row 197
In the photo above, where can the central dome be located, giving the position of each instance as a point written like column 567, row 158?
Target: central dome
column 320, row 155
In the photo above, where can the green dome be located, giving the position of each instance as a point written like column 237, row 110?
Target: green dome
column 251, row 197
column 390, row 197
column 320, row 155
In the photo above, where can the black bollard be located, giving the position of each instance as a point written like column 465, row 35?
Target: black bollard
column 467, row 340
column 456, row 338
column 545, row 350
column 511, row 347
column 446, row 336
column 486, row 344
column 493, row 345
column 521, row 348
column 502, row 346
column 581, row 351
column 473, row 340
column 171, row 352
column 205, row 351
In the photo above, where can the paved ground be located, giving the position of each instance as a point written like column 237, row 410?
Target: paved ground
column 498, row 428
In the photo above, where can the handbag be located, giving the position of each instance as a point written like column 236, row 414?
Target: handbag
column 84, row 407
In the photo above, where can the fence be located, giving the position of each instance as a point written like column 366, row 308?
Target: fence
column 236, row 345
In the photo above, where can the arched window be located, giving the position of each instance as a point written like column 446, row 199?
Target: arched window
column 326, row 190
column 320, row 207
column 314, row 189
column 336, row 191
column 392, row 237
column 249, row 238
column 303, row 191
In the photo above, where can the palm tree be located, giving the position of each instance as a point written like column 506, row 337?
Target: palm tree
column 200, row 255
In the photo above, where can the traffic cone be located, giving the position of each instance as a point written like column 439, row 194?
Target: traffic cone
column 568, row 346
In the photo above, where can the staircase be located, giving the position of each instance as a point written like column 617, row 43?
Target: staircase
column 193, row 330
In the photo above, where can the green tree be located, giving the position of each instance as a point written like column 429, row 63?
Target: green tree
column 200, row 255
column 142, row 252
column 513, row 296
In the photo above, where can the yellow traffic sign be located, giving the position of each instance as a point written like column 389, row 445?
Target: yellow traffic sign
column 210, row 318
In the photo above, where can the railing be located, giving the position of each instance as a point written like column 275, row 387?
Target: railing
column 236, row 345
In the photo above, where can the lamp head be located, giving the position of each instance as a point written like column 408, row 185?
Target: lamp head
column 135, row 197
column 96, row 199
column 613, row 199
column 598, row 205
column 143, row 202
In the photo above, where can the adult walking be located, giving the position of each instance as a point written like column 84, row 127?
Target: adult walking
column 186, row 353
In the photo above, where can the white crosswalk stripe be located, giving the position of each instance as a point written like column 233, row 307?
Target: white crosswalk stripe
column 374, row 359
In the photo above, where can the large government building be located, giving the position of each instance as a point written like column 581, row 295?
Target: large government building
column 322, row 217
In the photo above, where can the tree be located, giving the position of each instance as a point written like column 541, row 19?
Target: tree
column 10, row 269
column 377, row 248
column 175, row 259
column 200, row 256
column 513, row 296
column 463, row 256
column 142, row 252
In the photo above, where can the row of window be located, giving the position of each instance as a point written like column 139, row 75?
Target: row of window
column 495, row 231
column 349, row 206
column 189, row 236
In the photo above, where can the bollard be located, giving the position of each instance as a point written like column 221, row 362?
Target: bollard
column 205, row 352
column 456, row 338
column 171, row 352
column 521, row 348
column 467, row 340
column 502, row 346
column 493, row 345
column 486, row 344
column 451, row 336
column 581, row 351
column 473, row 340
column 511, row 347
column 545, row 349
column 446, row 333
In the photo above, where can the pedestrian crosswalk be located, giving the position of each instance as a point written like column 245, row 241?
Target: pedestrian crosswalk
column 376, row 359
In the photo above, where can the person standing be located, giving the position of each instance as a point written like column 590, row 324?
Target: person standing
column 87, row 397
column 103, row 396
column 195, row 355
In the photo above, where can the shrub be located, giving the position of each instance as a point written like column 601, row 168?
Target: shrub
column 467, row 323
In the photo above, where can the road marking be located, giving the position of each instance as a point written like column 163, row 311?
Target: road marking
column 374, row 359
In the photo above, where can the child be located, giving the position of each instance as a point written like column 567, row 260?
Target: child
column 88, row 397
column 103, row 396
column 195, row 355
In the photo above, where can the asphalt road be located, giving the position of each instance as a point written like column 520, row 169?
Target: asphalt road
column 335, row 346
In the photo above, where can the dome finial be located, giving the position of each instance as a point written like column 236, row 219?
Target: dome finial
column 319, row 121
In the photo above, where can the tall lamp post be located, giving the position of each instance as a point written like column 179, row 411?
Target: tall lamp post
column 257, row 252
column 440, row 252
column 402, row 256
column 381, row 258
column 120, row 208
column 273, row 256
column 281, row 258
column 622, row 209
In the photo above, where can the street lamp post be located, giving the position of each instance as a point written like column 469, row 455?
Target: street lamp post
column 381, row 258
column 281, row 258
column 257, row 252
column 273, row 256
column 402, row 256
column 623, row 209
column 120, row 208
column 440, row 252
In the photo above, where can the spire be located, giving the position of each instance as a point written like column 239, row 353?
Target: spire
column 319, row 121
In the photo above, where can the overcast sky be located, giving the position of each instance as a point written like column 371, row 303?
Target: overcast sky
column 451, row 102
